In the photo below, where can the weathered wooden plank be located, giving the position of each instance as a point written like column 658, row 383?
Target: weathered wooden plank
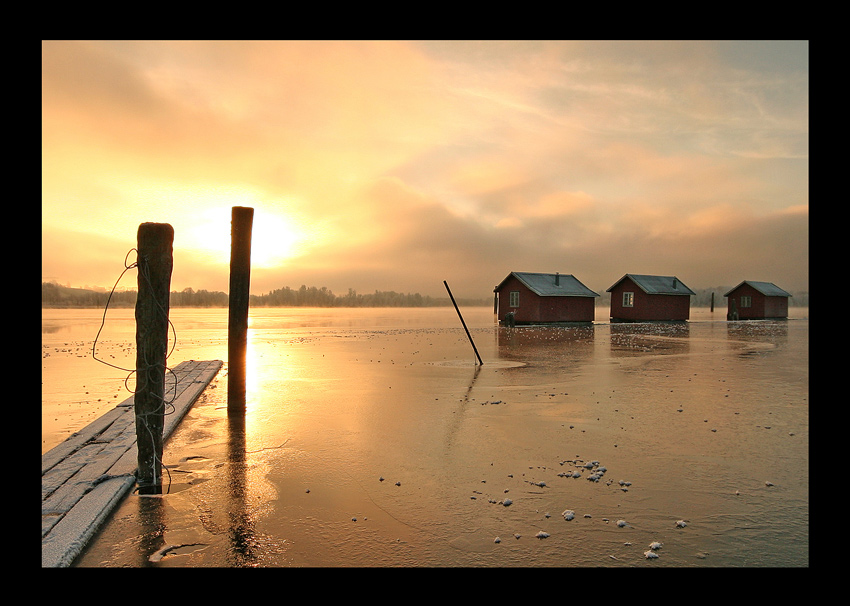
column 191, row 391
column 97, row 447
column 188, row 373
column 86, row 476
column 126, row 464
column 124, row 423
column 79, row 438
column 70, row 535
column 63, row 471
column 115, row 423
column 66, row 496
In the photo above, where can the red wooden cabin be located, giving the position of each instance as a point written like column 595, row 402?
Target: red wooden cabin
column 756, row 301
column 640, row 298
column 537, row 298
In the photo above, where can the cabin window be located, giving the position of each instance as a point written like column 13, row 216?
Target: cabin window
column 628, row 299
column 746, row 301
column 514, row 298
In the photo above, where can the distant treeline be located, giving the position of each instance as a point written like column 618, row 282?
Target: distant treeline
column 54, row 295
column 322, row 297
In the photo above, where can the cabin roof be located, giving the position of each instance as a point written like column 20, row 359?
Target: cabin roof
column 657, row 285
column 768, row 289
column 544, row 284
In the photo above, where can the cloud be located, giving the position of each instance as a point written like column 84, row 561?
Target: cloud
column 98, row 262
column 402, row 163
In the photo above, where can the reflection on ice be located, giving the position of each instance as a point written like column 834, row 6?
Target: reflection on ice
column 684, row 426
column 657, row 338
column 472, row 363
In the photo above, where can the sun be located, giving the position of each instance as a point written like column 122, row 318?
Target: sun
column 275, row 238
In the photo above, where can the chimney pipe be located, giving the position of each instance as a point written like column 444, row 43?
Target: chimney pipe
column 557, row 278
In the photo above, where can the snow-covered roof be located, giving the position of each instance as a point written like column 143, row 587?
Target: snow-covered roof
column 551, row 285
column 657, row 285
column 768, row 289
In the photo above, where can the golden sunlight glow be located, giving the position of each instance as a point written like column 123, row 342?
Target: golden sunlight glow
column 274, row 237
column 274, row 240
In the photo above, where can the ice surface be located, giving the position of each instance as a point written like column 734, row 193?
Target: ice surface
column 688, row 421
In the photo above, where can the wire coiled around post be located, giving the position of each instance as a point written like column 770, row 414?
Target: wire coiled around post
column 167, row 406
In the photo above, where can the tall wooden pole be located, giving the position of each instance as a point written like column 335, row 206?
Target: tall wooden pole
column 155, row 262
column 242, row 221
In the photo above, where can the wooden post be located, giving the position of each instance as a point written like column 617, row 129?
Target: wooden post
column 237, row 325
column 712, row 301
column 468, row 336
column 155, row 262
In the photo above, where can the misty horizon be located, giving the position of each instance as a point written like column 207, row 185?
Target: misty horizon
column 701, row 298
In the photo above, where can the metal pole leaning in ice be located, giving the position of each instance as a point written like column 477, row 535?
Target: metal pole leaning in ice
column 475, row 349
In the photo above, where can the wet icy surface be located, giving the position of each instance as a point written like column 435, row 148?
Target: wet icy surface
column 372, row 438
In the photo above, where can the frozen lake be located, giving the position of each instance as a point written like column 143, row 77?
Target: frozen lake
column 371, row 438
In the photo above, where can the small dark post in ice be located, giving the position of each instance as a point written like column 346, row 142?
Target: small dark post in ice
column 468, row 336
column 242, row 221
column 154, row 262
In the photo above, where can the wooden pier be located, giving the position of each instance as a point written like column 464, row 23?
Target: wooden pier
column 84, row 478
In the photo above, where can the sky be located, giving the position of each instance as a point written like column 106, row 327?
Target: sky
column 396, row 165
